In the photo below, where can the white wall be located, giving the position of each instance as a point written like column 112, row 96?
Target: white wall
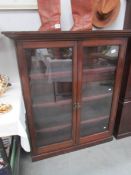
column 30, row 21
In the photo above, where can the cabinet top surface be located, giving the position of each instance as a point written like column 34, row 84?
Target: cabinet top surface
column 37, row 35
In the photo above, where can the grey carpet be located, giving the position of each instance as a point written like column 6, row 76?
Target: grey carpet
column 112, row 158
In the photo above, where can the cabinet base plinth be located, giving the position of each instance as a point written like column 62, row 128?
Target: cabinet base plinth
column 69, row 149
column 120, row 136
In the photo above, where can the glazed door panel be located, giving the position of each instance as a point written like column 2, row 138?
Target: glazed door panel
column 50, row 69
column 98, row 65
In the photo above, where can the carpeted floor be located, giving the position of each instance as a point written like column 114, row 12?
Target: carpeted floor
column 112, row 158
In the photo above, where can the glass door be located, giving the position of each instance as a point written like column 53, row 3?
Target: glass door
column 52, row 87
column 96, row 84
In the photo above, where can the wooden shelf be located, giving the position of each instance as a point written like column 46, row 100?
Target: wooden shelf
column 96, row 97
column 69, row 101
column 99, row 70
column 52, row 75
column 98, row 74
column 66, row 126
column 47, row 138
column 97, row 88
column 61, row 74
column 55, row 128
column 53, row 104
column 94, row 120
column 94, row 126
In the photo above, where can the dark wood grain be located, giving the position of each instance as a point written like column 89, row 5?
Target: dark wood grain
column 123, row 125
column 96, row 97
column 128, row 87
column 26, row 90
column 57, row 36
column 43, row 155
column 127, row 20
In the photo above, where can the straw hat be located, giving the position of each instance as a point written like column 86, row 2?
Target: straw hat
column 105, row 12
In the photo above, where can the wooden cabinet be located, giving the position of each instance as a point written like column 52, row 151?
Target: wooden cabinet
column 71, row 84
column 123, row 119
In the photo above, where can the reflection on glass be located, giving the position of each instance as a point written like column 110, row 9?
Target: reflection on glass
column 99, row 67
column 50, row 73
column 101, row 56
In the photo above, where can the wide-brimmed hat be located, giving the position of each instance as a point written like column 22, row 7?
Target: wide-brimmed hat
column 105, row 12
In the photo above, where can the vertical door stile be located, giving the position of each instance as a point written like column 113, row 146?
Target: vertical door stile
column 22, row 63
column 79, row 86
column 74, row 68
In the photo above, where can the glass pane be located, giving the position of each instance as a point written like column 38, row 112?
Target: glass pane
column 100, row 56
column 50, row 75
column 99, row 67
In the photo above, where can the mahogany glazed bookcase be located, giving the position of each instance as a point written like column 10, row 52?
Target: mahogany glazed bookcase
column 71, row 84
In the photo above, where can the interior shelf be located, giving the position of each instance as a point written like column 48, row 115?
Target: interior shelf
column 47, row 138
column 87, row 72
column 51, row 118
column 55, row 128
column 96, row 97
column 58, row 133
column 94, row 120
column 51, row 75
column 94, row 127
column 66, row 126
column 98, row 74
column 53, row 104
column 99, row 69
column 97, row 88
column 69, row 101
